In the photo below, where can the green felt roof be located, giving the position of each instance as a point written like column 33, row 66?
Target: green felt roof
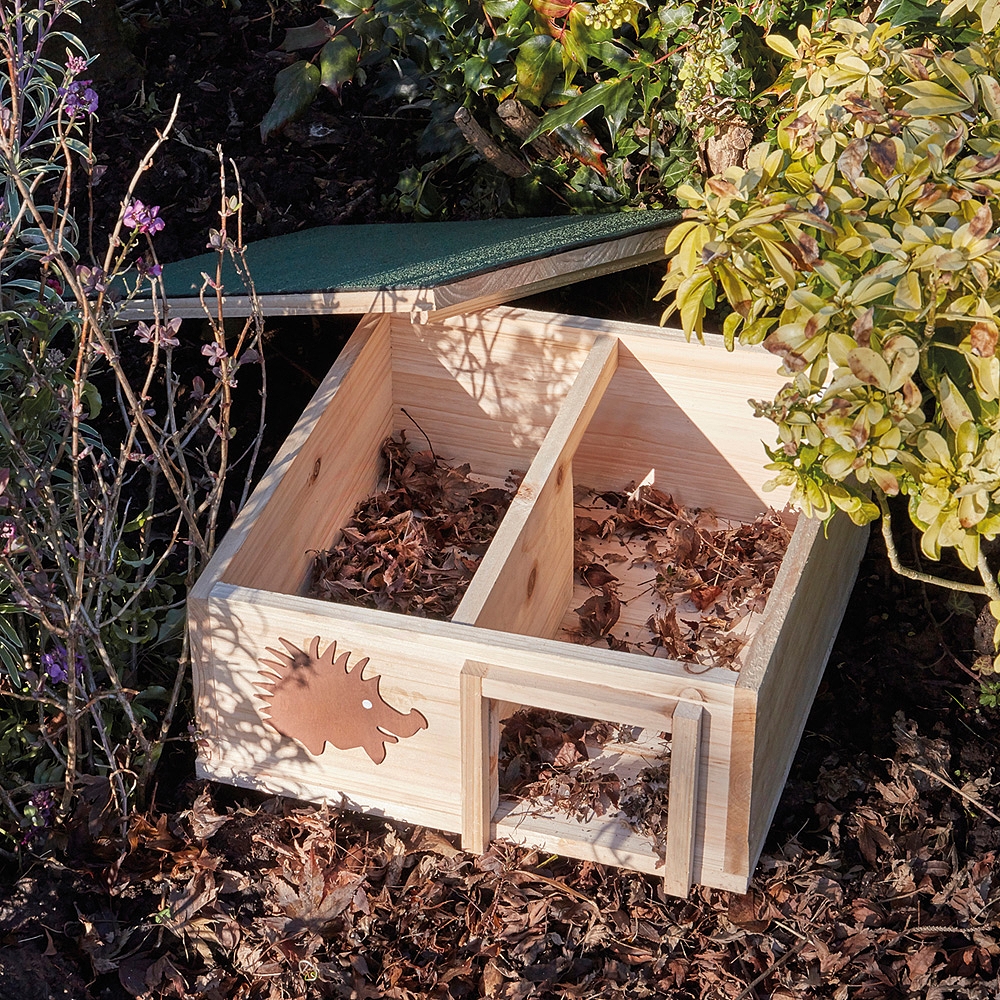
column 405, row 255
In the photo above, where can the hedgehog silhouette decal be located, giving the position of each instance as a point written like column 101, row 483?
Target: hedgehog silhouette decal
column 316, row 699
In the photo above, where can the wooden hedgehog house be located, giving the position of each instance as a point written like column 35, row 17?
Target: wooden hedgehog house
column 400, row 716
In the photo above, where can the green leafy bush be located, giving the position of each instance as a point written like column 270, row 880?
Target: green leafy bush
column 626, row 89
column 859, row 245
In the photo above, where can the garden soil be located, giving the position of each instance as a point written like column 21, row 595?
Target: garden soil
column 878, row 878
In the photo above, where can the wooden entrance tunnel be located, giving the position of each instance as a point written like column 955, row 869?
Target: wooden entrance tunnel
column 486, row 687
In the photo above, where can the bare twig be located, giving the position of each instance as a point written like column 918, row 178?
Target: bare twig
column 971, row 799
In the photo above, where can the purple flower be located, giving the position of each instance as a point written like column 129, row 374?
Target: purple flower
column 75, row 65
column 215, row 353
column 146, row 333
column 145, row 268
column 142, row 218
column 56, row 664
column 164, row 334
column 79, row 96
column 92, row 278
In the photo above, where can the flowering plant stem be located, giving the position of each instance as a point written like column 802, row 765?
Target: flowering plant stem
column 107, row 513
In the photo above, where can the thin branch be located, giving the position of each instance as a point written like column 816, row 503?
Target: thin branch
column 914, row 574
column 971, row 799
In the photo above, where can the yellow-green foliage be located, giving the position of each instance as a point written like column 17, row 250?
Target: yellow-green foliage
column 859, row 246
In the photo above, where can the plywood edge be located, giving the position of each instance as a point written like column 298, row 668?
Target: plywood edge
column 345, row 303
column 658, row 676
column 241, row 527
column 555, row 271
column 525, row 564
column 763, row 645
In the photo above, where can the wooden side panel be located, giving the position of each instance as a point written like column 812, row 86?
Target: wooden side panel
column 329, row 462
column 525, row 580
column 483, row 397
column 676, row 414
column 420, row 663
column 789, row 664
column 418, row 781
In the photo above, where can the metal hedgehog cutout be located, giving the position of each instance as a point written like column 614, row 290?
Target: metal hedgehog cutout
column 315, row 699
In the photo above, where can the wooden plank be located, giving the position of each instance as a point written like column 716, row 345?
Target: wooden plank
column 329, row 463
column 606, row 841
column 485, row 400
column 786, row 665
column 682, row 814
column 591, row 701
column 525, row 580
column 557, row 271
column 480, row 744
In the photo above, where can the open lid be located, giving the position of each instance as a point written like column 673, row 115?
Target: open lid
column 429, row 270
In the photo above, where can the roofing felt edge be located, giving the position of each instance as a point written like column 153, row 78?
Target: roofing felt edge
column 405, row 255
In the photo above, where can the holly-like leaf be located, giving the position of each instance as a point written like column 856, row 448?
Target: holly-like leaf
column 294, row 88
column 308, row 37
column 337, row 61
column 538, row 63
column 613, row 95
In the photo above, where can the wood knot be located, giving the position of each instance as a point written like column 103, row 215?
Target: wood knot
column 314, row 475
column 532, row 580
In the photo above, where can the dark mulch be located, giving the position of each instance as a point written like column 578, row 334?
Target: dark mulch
column 877, row 880
column 339, row 164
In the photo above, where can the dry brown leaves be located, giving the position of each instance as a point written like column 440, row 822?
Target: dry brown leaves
column 413, row 546
column 710, row 576
column 545, row 757
column 564, row 764
column 893, row 891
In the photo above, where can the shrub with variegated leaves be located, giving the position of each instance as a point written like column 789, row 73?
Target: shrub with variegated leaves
column 859, row 245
